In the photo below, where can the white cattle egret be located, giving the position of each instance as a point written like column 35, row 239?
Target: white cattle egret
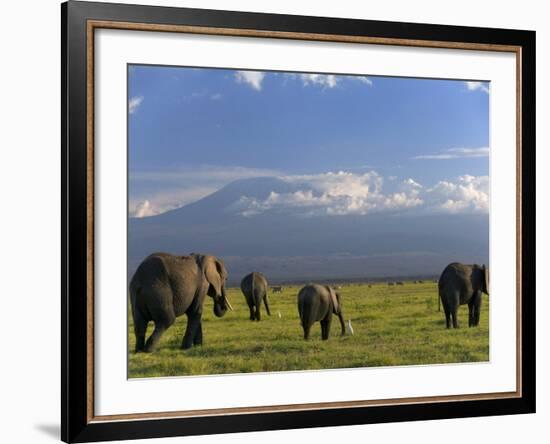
column 350, row 328
column 279, row 314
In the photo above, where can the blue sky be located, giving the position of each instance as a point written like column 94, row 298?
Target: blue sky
column 191, row 131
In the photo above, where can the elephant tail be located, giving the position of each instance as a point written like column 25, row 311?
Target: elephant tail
column 305, row 313
column 254, row 291
column 135, row 290
column 305, row 316
column 441, row 293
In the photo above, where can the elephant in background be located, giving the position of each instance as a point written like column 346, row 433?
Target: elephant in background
column 461, row 284
column 319, row 303
column 165, row 287
column 254, row 287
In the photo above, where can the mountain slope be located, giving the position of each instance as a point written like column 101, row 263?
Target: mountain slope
column 288, row 245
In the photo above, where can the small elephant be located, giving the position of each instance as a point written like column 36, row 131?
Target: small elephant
column 166, row 286
column 254, row 287
column 319, row 303
column 461, row 284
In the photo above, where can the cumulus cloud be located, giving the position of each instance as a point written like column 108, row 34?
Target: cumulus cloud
column 253, row 79
column 345, row 193
column 338, row 193
column 326, row 80
column 143, row 209
column 456, row 153
column 330, row 194
column 478, row 86
column 468, row 194
column 134, row 103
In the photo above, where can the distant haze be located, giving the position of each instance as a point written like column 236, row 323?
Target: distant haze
column 288, row 245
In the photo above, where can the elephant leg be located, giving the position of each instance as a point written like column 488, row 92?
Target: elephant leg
column 252, row 315
column 324, row 336
column 325, row 328
column 257, row 313
column 454, row 314
column 193, row 324
column 477, row 309
column 266, row 302
column 447, row 311
column 448, row 318
column 307, row 328
column 471, row 313
column 198, row 335
column 161, row 325
column 140, row 327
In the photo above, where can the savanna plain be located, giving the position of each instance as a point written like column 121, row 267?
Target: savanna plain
column 392, row 325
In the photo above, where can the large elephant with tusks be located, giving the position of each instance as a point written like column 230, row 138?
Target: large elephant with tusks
column 319, row 303
column 165, row 287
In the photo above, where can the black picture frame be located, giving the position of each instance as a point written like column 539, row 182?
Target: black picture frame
column 76, row 423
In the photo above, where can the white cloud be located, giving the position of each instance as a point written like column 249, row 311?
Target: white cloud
column 364, row 79
column 475, row 86
column 134, row 103
column 143, row 209
column 469, row 194
column 336, row 194
column 345, row 193
column 326, row 80
column 331, row 193
column 165, row 199
column 456, row 153
column 253, row 78
column 471, row 152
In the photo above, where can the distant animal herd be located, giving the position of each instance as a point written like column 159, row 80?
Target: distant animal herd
column 166, row 286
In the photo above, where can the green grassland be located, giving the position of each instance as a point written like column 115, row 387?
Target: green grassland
column 397, row 325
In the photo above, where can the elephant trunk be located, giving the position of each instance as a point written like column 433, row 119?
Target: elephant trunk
column 221, row 305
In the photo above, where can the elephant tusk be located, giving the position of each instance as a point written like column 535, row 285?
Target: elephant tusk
column 227, row 303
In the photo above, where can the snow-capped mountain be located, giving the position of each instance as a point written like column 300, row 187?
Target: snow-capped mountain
column 299, row 230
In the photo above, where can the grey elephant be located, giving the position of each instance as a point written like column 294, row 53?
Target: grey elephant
column 319, row 303
column 461, row 284
column 254, row 287
column 165, row 287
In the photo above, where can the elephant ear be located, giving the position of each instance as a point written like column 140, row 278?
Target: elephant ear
column 335, row 305
column 212, row 270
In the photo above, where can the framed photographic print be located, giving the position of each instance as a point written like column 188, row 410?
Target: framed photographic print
column 275, row 221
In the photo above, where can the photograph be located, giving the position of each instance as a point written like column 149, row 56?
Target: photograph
column 294, row 221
